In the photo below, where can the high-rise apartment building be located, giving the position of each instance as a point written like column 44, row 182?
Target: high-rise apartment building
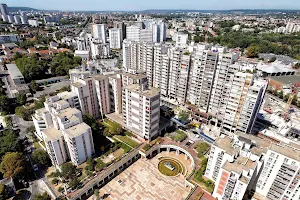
column 133, row 33
column 99, row 32
column 4, row 12
column 115, row 38
column 122, row 27
column 141, row 110
column 99, row 49
column 159, row 30
column 242, row 103
column 85, row 89
column 62, row 129
column 161, row 68
column 17, row 19
column 280, row 175
column 146, row 35
column 180, row 63
column 24, row 18
column 234, row 164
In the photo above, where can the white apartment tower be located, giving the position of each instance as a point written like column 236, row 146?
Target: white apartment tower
column 133, row 33
column 115, row 38
column 85, row 89
column 242, row 103
column 62, row 129
column 180, row 61
column 99, row 32
column 280, row 176
column 161, row 68
column 234, row 164
column 202, row 76
column 141, row 110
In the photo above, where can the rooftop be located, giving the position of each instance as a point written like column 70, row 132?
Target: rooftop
column 287, row 151
column 135, row 76
column 286, row 79
column 52, row 134
column 78, row 84
column 226, row 143
column 77, row 130
column 14, row 71
column 145, row 92
column 68, row 112
column 100, row 77
column 239, row 164
column 66, row 95
column 274, row 67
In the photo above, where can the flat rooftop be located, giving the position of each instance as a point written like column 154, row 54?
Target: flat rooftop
column 14, row 71
column 145, row 92
column 239, row 164
column 226, row 143
column 66, row 95
column 68, row 112
column 77, row 130
column 286, row 79
column 135, row 76
column 286, row 150
column 52, row 134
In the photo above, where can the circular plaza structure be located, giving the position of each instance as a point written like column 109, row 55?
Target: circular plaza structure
column 170, row 167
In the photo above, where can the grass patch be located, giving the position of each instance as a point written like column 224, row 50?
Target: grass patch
column 208, row 185
column 168, row 172
column 178, row 136
column 127, row 140
column 36, row 145
column 201, row 148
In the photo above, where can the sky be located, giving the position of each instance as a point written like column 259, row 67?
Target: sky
column 136, row 5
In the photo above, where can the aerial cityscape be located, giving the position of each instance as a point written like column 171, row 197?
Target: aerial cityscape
column 145, row 101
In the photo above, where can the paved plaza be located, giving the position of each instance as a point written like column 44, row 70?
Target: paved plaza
column 143, row 181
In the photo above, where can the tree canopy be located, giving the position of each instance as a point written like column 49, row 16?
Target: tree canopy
column 13, row 165
column 8, row 142
column 32, row 67
column 3, row 192
column 62, row 62
column 40, row 156
column 43, row 196
column 68, row 171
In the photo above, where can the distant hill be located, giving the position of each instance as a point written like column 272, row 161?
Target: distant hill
column 15, row 9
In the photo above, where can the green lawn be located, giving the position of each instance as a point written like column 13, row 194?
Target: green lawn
column 166, row 171
column 127, row 140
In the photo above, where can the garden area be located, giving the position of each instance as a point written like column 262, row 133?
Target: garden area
column 177, row 136
column 208, row 185
column 127, row 140
column 170, row 167
column 201, row 148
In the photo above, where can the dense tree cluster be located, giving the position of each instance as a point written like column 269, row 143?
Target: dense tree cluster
column 32, row 67
column 261, row 43
column 63, row 62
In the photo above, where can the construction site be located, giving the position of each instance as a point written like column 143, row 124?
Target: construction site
column 279, row 120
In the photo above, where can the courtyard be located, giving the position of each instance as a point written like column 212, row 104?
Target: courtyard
column 143, row 181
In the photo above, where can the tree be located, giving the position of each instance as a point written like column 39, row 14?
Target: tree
column 55, row 181
column 21, row 99
column 43, row 196
column 23, row 112
column 4, row 104
column 115, row 129
column 183, row 116
column 8, row 121
column 74, row 183
column 17, row 56
column 280, row 94
column 3, row 192
column 68, row 171
column 34, row 85
column 8, row 142
column 40, row 156
column 252, row 51
column 13, row 165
